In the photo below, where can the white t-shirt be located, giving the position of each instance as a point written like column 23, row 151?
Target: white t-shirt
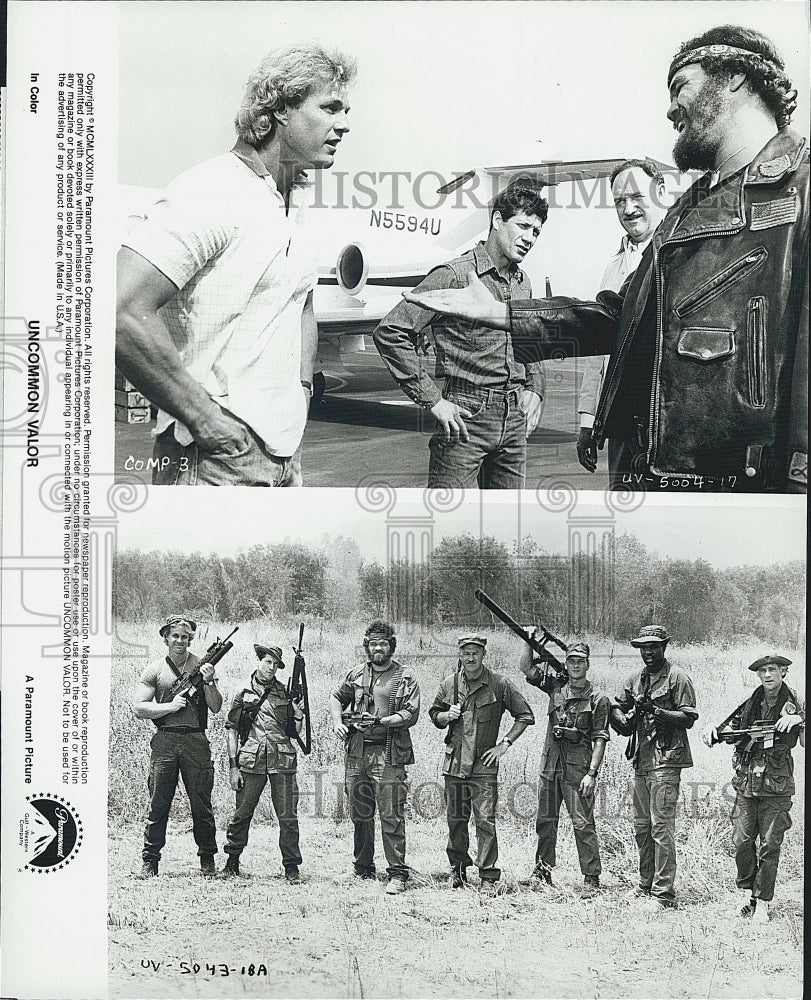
column 243, row 267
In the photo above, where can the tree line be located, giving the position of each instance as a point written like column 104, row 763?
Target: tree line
column 609, row 591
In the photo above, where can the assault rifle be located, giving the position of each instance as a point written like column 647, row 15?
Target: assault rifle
column 538, row 646
column 639, row 707
column 190, row 680
column 747, row 740
column 297, row 691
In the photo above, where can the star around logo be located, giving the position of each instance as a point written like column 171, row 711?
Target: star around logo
column 50, row 833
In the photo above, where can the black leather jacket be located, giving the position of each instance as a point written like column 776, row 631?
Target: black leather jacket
column 725, row 290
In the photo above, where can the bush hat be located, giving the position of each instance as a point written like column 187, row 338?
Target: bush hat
column 274, row 651
column 650, row 634
column 173, row 620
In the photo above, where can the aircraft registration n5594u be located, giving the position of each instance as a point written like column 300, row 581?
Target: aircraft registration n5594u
column 379, row 234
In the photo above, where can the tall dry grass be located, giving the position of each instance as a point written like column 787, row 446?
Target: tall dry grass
column 719, row 675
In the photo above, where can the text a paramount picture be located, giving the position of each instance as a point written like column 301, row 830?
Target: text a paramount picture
column 525, row 310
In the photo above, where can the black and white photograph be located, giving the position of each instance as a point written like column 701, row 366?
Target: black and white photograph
column 510, row 701
column 392, row 712
column 645, row 152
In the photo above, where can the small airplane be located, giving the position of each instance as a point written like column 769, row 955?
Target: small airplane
column 368, row 254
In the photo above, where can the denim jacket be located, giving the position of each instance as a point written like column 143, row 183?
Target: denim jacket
column 471, row 356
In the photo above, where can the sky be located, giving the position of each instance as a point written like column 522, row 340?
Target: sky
column 725, row 531
column 441, row 86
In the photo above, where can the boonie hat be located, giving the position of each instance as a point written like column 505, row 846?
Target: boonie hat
column 578, row 649
column 273, row 651
column 650, row 634
column 173, row 620
column 478, row 640
column 764, row 661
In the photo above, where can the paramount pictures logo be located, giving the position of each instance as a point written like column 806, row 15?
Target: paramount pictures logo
column 50, row 833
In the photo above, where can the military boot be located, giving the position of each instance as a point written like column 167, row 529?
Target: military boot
column 541, row 875
column 591, row 886
column 207, row 866
column 458, row 877
column 231, row 865
column 149, row 869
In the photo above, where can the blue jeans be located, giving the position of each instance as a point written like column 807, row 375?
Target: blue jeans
column 179, row 465
column 495, row 456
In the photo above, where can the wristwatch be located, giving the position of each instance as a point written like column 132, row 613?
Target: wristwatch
column 592, row 772
column 212, row 682
column 508, row 741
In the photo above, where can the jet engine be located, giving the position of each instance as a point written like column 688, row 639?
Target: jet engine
column 352, row 268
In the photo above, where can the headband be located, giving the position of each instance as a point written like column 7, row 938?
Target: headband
column 703, row 51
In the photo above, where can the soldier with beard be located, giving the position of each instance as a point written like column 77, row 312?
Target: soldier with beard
column 707, row 387
column 372, row 711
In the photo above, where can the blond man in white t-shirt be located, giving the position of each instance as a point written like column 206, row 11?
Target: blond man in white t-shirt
column 215, row 319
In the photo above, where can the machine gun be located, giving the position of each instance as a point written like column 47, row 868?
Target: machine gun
column 297, row 691
column 538, row 646
column 190, row 680
column 358, row 722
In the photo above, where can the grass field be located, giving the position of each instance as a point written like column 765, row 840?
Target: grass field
column 334, row 937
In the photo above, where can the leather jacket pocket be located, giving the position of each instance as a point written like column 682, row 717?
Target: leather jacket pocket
column 721, row 281
column 756, row 349
column 706, row 344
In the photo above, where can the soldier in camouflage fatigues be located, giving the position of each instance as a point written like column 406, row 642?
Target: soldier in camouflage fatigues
column 763, row 782
column 576, row 737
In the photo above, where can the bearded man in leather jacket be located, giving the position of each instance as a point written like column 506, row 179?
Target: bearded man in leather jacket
column 708, row 382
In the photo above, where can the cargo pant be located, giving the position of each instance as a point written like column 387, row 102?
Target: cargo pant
column 656, row 793
column 767, row 817
column 185, row 755
column 477, row 794
column 284, row 795
column 372, row 783
column 553, row 791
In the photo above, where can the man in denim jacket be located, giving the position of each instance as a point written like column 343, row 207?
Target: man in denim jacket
column 656, row 708
column 490, row 403
column 469, row 704
column 763, row 782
